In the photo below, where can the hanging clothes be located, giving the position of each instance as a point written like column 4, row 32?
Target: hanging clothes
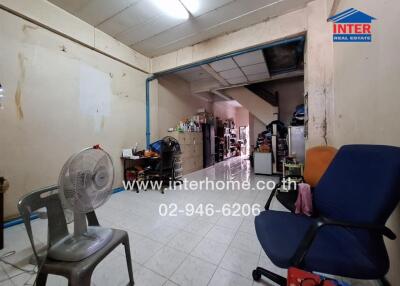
column 304, row 200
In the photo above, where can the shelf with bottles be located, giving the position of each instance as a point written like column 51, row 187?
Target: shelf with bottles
column 193, row 123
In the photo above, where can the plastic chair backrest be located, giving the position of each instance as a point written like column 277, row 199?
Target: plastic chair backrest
column 318, row 160
column 44, row 198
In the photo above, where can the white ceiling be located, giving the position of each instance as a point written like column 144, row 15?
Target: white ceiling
column 244, row 68
column 144, row 27
column 219, row 75
column 194, row 74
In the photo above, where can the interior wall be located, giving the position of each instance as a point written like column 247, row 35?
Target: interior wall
column 255, row 128
column 366, row 85
column 291, row 94
column 318, row 77
column 264, row 111
column 175, row 103
column 59, row 20
column 61, row 97
column 226, row 110
column 223, row 110
column 241, row 118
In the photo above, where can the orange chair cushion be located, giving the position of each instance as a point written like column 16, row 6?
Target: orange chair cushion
column 317, row 161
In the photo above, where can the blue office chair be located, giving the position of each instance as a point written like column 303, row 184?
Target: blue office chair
column 352, row 201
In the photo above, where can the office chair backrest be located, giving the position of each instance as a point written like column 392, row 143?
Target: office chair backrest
column 167, row 160
column 169, row 149
column 44, row 198
column 362, row 184
column 318, row 160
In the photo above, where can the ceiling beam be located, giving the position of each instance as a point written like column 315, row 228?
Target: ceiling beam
column 221, row 95
column 214, row 74
column 276, row 77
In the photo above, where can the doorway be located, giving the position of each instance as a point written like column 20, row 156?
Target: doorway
column 246, row 103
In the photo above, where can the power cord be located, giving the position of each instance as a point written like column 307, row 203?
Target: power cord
column 30, row 272
column 10, row 253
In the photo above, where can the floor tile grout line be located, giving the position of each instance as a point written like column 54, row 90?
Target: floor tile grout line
column 258, row 262
column 219, row 263
column 190, row 255
column 242, row 197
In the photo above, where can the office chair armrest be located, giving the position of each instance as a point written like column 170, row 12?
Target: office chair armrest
column 372, row 227
column 321, row 222
column 272, row 195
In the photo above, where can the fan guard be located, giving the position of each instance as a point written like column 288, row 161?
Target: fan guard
column 85, row 183
column 86, row 180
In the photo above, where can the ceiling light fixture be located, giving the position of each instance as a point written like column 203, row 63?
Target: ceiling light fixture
column 173, row 8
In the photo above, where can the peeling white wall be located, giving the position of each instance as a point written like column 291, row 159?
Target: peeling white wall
column 366, row 93
column 318, row 73
column 44, row 122
column 59, row 20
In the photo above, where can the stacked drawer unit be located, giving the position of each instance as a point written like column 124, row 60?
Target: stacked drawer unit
column 192, row 150
column 178, row 170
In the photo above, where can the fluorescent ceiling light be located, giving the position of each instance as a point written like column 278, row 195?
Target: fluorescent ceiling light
column 172, row 8
column 191, row 5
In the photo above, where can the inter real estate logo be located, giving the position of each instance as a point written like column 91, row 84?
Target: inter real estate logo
column 352, row 26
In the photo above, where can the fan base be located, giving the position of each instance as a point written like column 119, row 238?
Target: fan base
column 76, row 248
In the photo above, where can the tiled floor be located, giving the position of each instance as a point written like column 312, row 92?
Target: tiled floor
column 182, row 250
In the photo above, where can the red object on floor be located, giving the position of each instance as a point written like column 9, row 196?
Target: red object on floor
column 296, row 277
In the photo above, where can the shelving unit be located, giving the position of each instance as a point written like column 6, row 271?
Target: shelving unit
column 191, row 158
column 230, row 147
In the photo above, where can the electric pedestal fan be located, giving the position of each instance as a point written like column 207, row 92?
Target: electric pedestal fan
column 85, row 183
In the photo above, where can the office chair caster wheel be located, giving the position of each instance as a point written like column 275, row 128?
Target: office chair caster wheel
column 256, row 275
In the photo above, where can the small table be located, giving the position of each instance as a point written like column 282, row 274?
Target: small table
column 141, row 161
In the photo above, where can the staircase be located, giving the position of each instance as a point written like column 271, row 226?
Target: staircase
column 261, row 108
column 261, row 90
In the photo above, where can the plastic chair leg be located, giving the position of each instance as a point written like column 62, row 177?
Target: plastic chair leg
column 41, row 279
column 129, row 261
column 82, row 280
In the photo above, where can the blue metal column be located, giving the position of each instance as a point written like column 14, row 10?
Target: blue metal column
column 148, row 81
